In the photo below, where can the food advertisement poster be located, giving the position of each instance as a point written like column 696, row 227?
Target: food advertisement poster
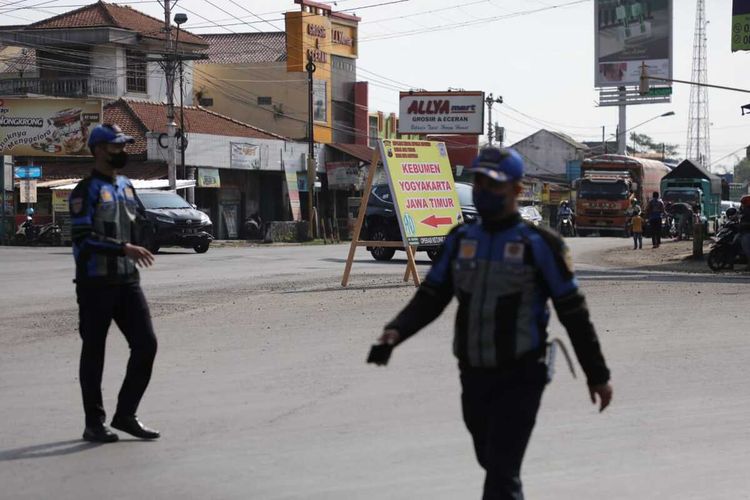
column 47, row 127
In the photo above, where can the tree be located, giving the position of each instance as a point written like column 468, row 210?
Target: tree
column 643, row 143
column 742, row 171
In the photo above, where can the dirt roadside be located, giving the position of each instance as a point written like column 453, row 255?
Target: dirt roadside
column 671, row 256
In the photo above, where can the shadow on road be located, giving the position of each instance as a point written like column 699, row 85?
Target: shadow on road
column 357, row 288
column 54, row 449
column 401, row 262
column 668, row 276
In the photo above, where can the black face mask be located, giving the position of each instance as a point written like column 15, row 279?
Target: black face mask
column 118, row 160
column 488, row 204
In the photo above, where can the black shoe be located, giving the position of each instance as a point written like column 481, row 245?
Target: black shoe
column 99, row 434
column 134, row 427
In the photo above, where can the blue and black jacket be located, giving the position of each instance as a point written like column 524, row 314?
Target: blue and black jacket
column 503, row 275
column 102, row 215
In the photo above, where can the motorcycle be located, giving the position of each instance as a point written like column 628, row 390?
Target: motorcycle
column 254, row 227
column 726, row 250
column 566, row 226
column 29, row 233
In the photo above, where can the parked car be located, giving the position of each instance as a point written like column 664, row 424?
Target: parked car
column 381, row 223
column 166, row 219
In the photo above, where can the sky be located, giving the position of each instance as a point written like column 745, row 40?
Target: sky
column 542, row 63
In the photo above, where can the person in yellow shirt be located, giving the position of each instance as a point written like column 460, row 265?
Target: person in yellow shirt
column 636, row 227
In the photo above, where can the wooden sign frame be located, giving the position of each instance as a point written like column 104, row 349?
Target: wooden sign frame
column 411, row 264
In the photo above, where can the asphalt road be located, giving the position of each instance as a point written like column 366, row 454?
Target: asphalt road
column 261, row 391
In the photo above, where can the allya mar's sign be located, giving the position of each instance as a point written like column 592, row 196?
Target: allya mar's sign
column 441, row 113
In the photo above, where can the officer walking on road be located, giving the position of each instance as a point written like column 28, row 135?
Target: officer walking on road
column 103, row 211
column 503, row 271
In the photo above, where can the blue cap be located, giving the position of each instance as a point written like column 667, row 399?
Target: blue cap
column 501, row 165
column 108, row 134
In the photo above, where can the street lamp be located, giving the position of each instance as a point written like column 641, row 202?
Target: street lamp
column 663, row 115
column 180, row 19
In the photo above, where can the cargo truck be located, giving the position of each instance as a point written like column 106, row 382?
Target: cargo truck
column 692, row 184
column 606, row 187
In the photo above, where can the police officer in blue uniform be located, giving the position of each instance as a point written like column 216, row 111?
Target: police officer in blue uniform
column 503, row 271
column 103, row 211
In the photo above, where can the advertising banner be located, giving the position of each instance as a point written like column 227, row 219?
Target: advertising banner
column 290, row 174
column 209, row 178
column 345, row 175
column 60, row 200
column 740, row 25
column 27, row 190
column 419, row 175
column 244, row 156
column 629, row 33
column 441, row 113
column 47, row 127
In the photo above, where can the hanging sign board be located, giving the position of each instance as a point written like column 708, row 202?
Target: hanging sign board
column 28, row 191
column 740, row 25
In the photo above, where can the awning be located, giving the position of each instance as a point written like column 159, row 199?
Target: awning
column 358, row 151
column 140, row 184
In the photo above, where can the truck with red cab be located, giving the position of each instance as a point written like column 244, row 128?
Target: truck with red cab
column 606, row 187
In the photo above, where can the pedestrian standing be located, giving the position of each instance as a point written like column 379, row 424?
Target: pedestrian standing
column 655, row 212
column 503, row 272
column 103, row 211
column 636, row 227
column 745, row 227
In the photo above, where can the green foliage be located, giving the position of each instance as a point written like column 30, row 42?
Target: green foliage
column 742, row 171
column 643, row 143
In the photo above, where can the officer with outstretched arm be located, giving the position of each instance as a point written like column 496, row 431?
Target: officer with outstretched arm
column 103, row 210
column 503, row 271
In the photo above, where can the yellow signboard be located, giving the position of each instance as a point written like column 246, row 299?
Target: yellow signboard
column 47, row 127
column 420, row 178
column 60, row 200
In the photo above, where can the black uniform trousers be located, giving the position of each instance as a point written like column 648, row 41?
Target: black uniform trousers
column 126, row 305
column 656, row 232
column 500, row 407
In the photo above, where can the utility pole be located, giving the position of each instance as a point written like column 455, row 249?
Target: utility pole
column 169, row 70
column 622, row 126
column 604, row 139
column 490, row 100
column 180, row 19
column 310, row 68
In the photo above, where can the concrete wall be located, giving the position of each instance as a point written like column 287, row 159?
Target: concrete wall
column 235, row 89
column 546, row 154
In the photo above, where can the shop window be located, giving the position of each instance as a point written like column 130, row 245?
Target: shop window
column 135, row 69
column 373, row 131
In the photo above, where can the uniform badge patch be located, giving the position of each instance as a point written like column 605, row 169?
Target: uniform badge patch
column 568, row 258
column 468, row 249
column 105, row 195
column 76, row 205
column 513, row 253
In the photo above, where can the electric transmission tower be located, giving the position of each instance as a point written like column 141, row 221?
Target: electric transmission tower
column 699, row 137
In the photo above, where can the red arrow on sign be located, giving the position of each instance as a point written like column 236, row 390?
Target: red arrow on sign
column 435, row 221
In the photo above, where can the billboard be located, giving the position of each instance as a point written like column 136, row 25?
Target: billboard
column 420, row 178
column 244, row 156
column 47, row 127
column 629, row 33
column 441, row 113
column 740, row 25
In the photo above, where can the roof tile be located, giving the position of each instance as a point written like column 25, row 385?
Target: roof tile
column 241, row 48
column 102, row 14
column 137, row 117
